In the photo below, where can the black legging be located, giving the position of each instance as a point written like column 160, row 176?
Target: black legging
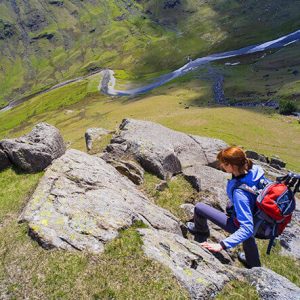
column 204, row 212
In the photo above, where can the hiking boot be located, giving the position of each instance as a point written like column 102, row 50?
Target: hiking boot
column 242, row 259
column 192, row 229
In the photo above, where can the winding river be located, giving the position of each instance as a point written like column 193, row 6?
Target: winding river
column 108, row 82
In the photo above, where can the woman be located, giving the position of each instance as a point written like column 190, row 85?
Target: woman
column 240, row 223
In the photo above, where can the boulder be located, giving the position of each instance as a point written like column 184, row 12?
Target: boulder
column 160, row 150
column 272, row 286
column 277, row 163
column 290, row 238
column 35, row 151
column 210, row 181
column 254, row 155
column 82, row 202
column 93, row 135
column 4, row 160
column 196, row 268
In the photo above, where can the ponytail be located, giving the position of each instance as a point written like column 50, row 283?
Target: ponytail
column 249, row 164
column 235, row 156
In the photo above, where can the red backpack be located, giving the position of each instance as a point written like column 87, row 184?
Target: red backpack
column 276, row 203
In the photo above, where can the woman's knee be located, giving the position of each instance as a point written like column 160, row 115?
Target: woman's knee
column 200, row 209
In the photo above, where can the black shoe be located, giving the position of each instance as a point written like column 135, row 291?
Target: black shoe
column 200, row 236
column 192, row 229
column 242, row 259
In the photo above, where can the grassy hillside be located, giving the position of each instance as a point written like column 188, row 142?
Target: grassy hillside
column 274, row 76
column 78, row 106
column 46, row 42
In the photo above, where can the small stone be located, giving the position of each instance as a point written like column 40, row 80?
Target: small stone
column 162, row 186
column 94, row 134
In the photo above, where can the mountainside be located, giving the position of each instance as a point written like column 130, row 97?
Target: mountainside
column 123, row 171
column 46, row 42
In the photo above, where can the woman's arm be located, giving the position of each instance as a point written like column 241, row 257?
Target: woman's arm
column 242, row 207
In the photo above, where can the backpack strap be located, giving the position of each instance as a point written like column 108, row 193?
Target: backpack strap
column 272, row 239
column 247, row 188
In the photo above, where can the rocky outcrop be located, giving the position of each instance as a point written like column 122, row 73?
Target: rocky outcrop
column 4, row 161
column 196, row 268
column 35, row 151
column 254, row 155
column 160, row 150
column 210, row 181
column 274, row 162
column 277, row 163
column 272, row 286
column 82, row 202
column 93, row 135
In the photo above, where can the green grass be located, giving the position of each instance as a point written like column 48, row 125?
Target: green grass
column 238, row 290
column 286, row 266
column 13, row 186
column 75, row 107
column 259, row 79
column 179, row 191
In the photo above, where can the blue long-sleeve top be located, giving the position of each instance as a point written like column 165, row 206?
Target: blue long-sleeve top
column 244, row 205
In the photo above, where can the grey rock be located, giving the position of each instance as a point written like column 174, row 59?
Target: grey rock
column 277, row 163
column 188, row 209
column 209, row 180
column 160, row 150
column 35, row 151
column 254, row 155
column 163, row 185
column 270, row 172
column 82, row 202
column 272, row 286
column 196, row 268
column 4, row 160
column 94, row 134
column 129, row 169
column 290, row 238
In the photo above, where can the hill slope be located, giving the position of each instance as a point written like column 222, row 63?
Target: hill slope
column 45, row 42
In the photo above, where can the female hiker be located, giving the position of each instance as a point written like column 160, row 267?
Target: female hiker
column 240, row 223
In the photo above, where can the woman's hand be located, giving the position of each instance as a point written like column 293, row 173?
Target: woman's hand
column 213, row 247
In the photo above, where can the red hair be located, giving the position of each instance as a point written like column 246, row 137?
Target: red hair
column 235, row 156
